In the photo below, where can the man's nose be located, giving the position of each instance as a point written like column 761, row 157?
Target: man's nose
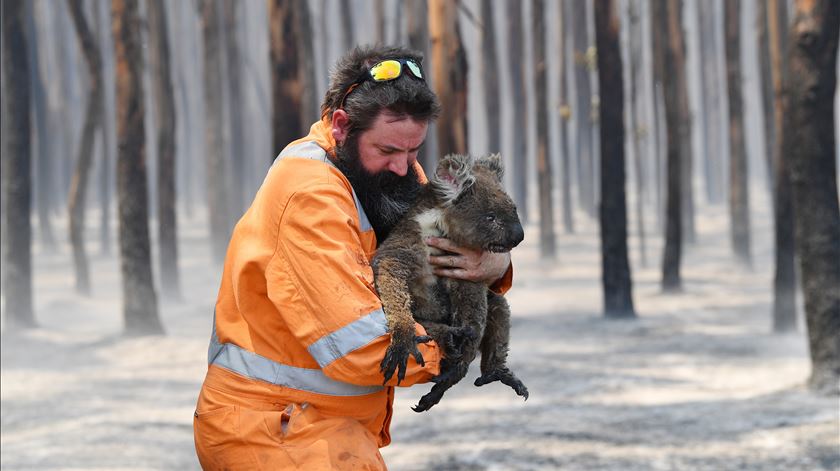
column 399, row 165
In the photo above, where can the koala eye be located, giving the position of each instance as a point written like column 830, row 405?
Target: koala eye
column 490, row 217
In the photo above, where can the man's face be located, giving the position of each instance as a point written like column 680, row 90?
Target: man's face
column 380, row 165
column 391, row 144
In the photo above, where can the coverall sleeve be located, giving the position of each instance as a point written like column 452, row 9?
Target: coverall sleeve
column 322, row 282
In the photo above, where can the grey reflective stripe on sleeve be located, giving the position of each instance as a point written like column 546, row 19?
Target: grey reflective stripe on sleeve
column 352, row 336
column 311, row 150
column 251, row 365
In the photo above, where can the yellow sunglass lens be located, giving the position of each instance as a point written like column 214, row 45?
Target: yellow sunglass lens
column 386, row 70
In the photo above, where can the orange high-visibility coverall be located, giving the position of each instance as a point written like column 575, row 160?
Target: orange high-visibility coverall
column 293, row 378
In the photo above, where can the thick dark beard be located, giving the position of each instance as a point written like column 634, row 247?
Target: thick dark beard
column 385, row 196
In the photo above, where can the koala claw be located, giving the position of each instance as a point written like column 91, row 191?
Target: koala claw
column 506, row 377
column 396, row 357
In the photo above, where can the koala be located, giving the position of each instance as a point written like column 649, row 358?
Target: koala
column 465, row 202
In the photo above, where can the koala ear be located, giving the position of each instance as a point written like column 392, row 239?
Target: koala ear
column 493, row 162
column 453, row 176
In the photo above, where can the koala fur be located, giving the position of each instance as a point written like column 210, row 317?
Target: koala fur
column 464, row 202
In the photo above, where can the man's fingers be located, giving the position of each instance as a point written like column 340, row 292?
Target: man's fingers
column 442, row 243
column 459, row 273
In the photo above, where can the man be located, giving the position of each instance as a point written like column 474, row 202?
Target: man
column 299, row 333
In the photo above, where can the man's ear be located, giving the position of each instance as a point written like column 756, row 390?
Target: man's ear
column 453, row 176
column 340, row 126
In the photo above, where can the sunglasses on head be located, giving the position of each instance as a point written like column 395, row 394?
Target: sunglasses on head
column 385, row 71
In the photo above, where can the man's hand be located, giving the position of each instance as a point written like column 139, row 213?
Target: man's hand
column 467, row 264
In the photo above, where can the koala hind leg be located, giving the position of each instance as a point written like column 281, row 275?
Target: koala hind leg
column 494, row 347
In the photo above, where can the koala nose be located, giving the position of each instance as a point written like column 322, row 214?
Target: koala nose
column 517, row 234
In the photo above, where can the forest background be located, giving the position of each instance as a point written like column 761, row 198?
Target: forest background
column 675, row 301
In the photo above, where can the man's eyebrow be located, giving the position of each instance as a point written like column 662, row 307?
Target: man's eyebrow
column 390, row 148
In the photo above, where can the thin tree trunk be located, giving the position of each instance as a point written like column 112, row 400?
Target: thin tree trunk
column 84, row 158
column 584, row 152
column 140, row 309
column 287, row 122
column 310, row 108
column 490, row 74
column 166, row 128
column 449, row 76
column 661, row 126
column 618, row 285
column 784, row 281
column 516, row 61
column 765, row 78
column 667, row 17
column 106, row 132
column 16, row 174
column 217, row 187
column 812, row 59
column 418, row 39
column 42, row 131
column 635, row 46
column 238, row 157
column 548, row 250
column 565, row 114
column 348, row 36
column 677, row 36
column 379, row 20
column 711, row 90
column 739, row 213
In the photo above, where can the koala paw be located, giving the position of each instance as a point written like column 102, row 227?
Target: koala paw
column 506, row 377
column 456, row 339
column 396, row 357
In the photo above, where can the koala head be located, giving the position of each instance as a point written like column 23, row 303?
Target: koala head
column 476, row 211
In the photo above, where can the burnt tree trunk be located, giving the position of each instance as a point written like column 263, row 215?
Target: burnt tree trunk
column 677, row 38
column 490, row 74
column 765, row 78
column 667, row 17
column 812, row 59
column 583, row 113
column 635, row 60
column 739, row 202
column 548, row 248
column 310, row 108
column 106, row 130
column 516, row 61
column 565, row 114
column 348, row 35
column 84, row 156
column 618, row 286
column 16, row 174
column 238, row 158
column 140, row 309
column 42, row 130
column 449, row 60
column 287, row 94
column 166, row 127
column 218, row 199
column 711, row 91
column 784, row 280
column 418, row 39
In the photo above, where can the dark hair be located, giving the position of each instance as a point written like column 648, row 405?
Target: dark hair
column 405, row 95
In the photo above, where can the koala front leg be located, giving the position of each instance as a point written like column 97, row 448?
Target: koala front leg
column 396, row 302
column 494, row 347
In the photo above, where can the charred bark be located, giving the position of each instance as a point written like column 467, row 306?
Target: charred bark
column 16, row 174
column 140, row 309
column 618, row 286
column 449, row 59
column 490, row 74
column 548, row 249
column 784, row 280
column 739, row 202
column 564, row 121
column 218, row 197
column 583, row 114
column 418, row 39
column 666, row 15
column 287, row 97
column 812, row 60
column 84, row 156
column 166, row 127
column 515, row 51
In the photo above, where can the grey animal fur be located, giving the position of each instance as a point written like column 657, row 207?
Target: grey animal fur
column 466, row 203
